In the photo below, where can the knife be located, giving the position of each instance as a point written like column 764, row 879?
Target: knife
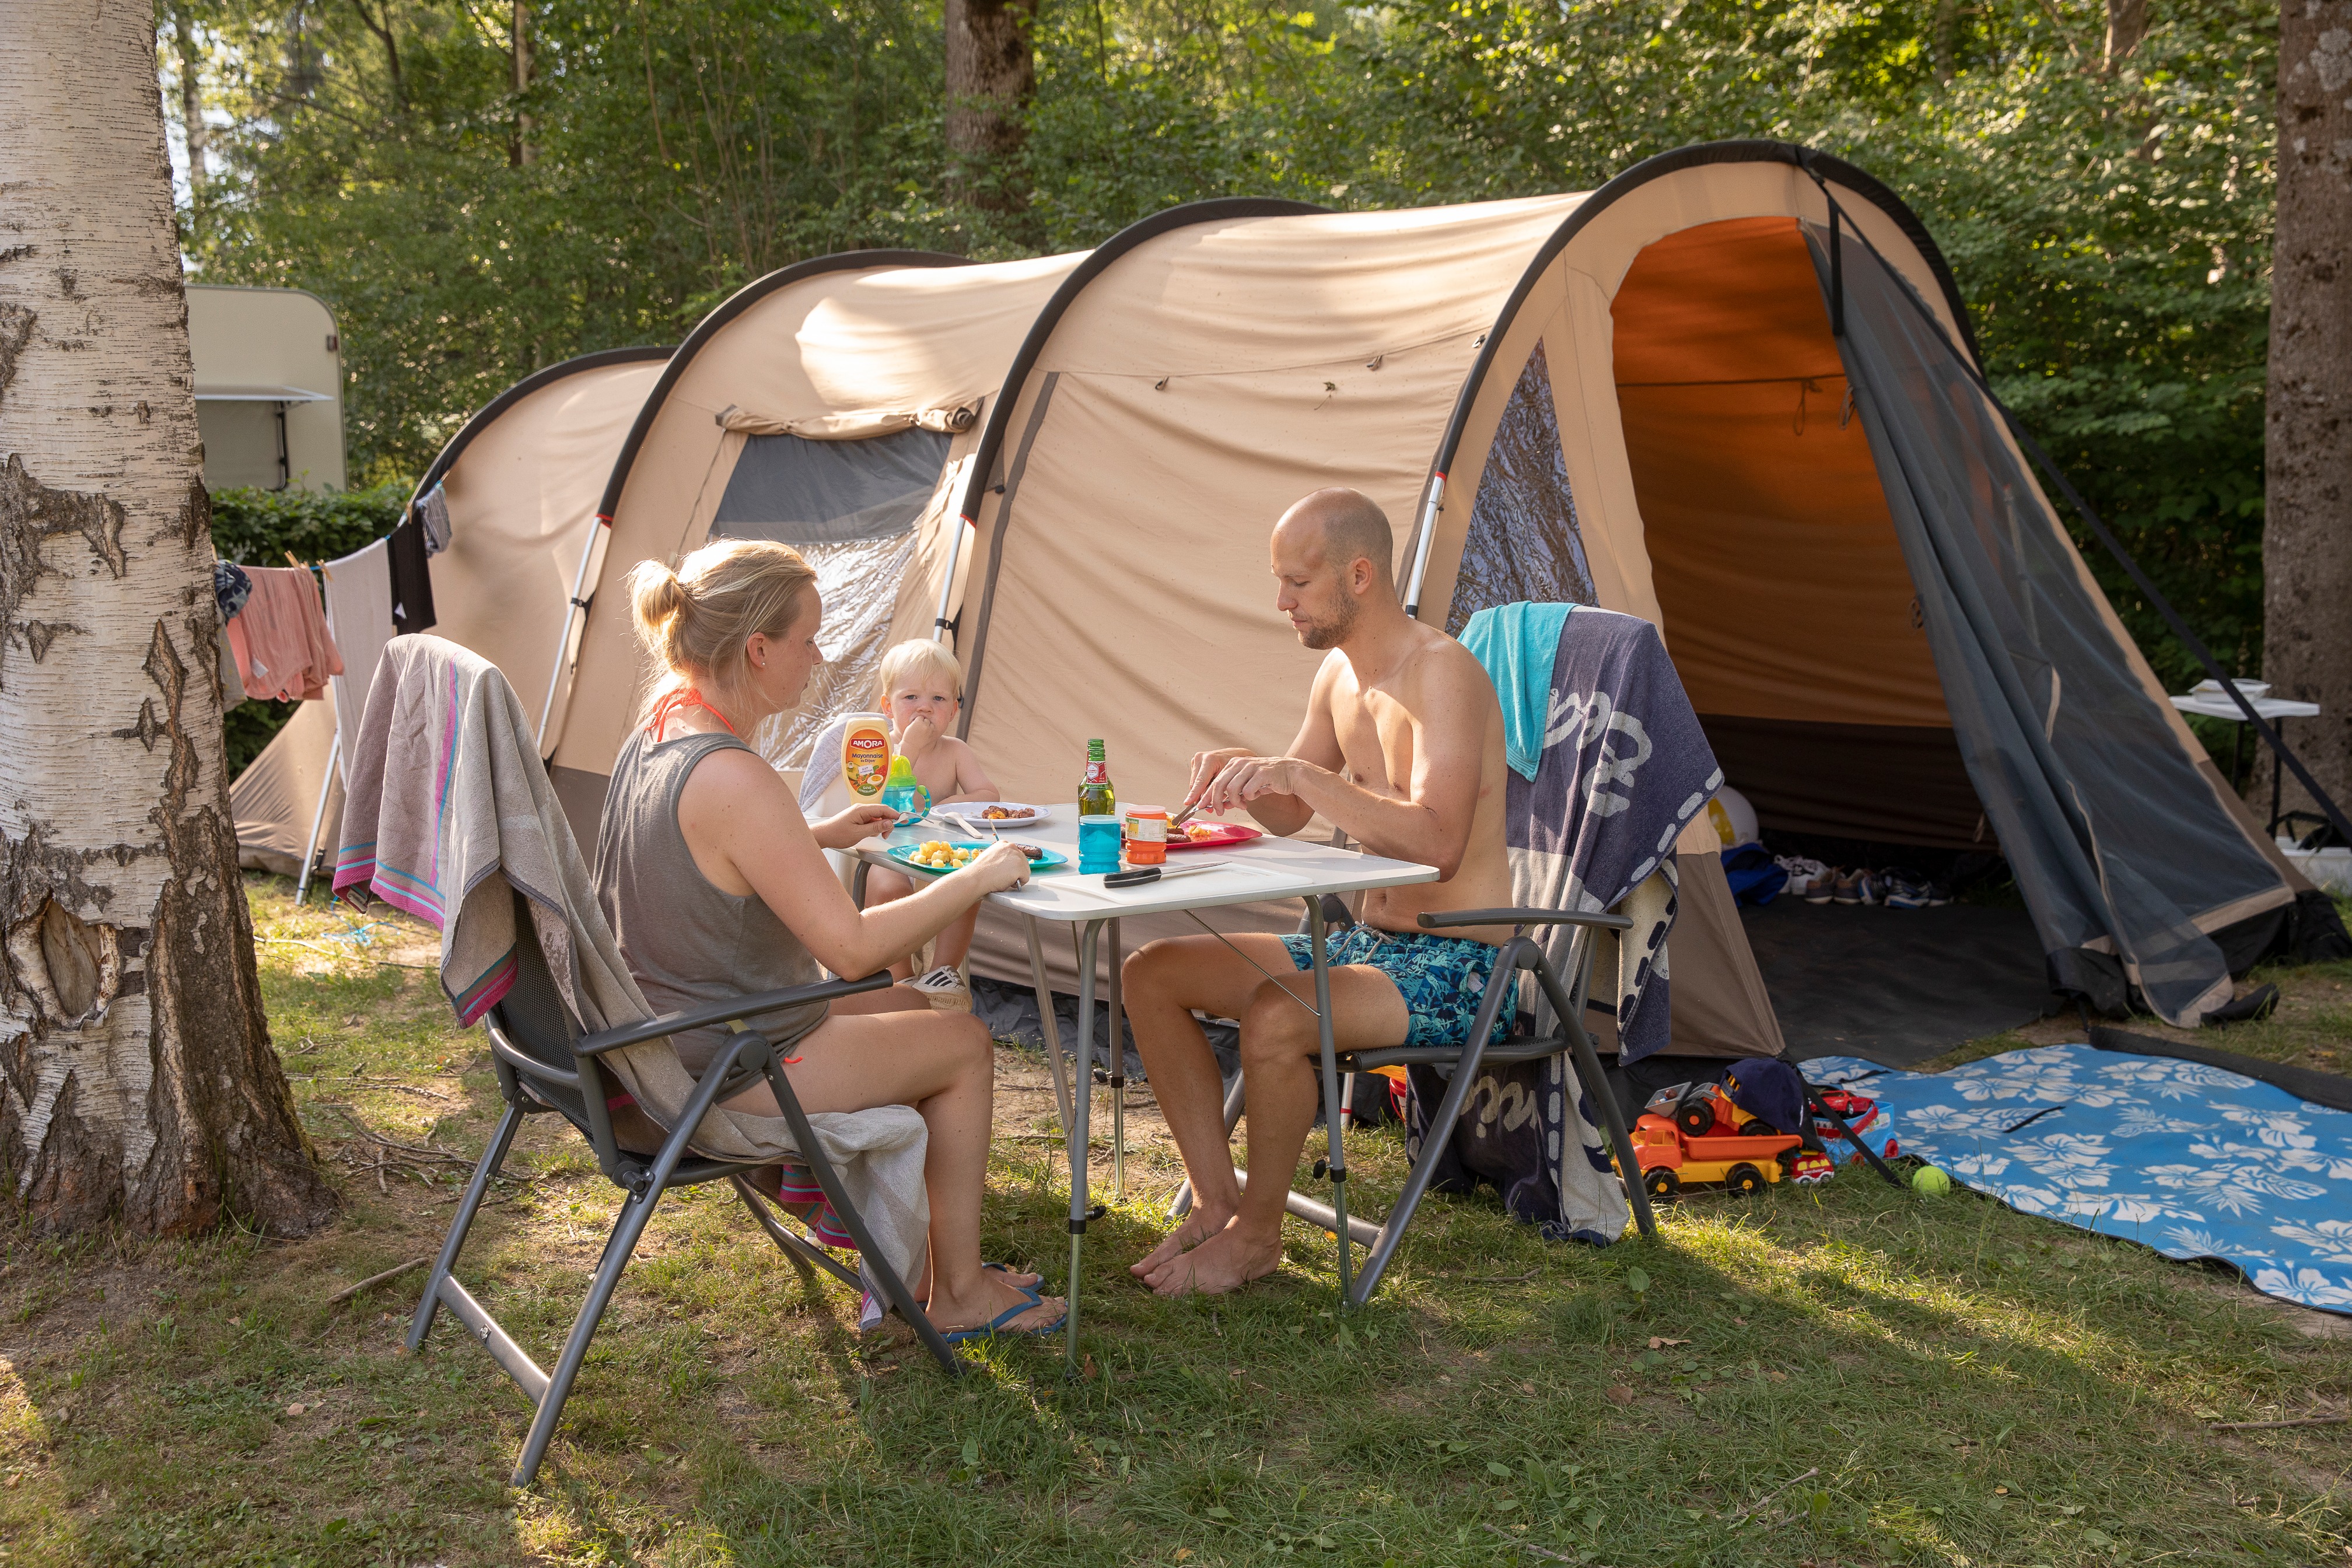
column 1143, row 875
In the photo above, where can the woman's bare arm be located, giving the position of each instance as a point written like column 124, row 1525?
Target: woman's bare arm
column 747, row 837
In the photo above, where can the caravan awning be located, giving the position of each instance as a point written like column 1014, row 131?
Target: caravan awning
column 260, row 394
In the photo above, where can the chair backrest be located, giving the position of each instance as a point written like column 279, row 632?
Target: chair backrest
column 533, row 1019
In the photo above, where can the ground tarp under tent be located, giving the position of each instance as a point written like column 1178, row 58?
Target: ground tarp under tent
column 1732, row 392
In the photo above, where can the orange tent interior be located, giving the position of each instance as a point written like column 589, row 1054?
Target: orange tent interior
column 1787, row 605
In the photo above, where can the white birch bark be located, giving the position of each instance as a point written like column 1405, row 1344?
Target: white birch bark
column 137, row 1081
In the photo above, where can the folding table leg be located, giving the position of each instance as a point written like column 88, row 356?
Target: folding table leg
column 1331, row 1120
column 1118, row 1075
column 1082, row 1103
column 1046, row 1024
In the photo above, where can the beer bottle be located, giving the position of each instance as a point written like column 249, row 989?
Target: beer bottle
column 1096, row 796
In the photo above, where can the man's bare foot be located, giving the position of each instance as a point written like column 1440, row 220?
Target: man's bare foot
column 1199, row 1226
column 1226, row 1262
column 991, row 1296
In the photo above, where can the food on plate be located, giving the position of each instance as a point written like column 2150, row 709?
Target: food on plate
column 939, row 855
column 1007, row 814
column 1196, row 831
column 1035, row 851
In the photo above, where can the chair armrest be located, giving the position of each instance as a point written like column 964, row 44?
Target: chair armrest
column 1441, row 919
column 725, row 1012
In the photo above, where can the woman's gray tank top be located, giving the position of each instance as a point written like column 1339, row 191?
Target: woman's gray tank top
column 687, row 942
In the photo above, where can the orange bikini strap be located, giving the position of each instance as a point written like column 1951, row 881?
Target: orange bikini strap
column 683, row 697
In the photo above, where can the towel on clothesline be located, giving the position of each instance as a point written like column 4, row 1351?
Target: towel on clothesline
column 449, row 813
column 280, row 638
column 358, row 590
column 231, row 588
column 412, row 579
column 433, row 513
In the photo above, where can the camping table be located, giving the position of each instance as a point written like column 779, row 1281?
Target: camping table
column 1268, row 868
column 2215, row 704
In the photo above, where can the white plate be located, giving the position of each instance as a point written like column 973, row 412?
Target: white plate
column 970, row 809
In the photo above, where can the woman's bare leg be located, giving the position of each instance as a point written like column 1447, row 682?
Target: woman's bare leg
column 943, row 1065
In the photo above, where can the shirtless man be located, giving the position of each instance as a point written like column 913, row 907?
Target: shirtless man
column 1403, row 749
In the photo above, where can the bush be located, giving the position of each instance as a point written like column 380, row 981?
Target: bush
column 259, row 528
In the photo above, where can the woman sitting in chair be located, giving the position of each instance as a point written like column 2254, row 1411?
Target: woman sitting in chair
column 717, row 886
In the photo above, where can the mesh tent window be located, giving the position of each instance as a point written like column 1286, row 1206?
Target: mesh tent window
column 1524, row 541
column 850, row 508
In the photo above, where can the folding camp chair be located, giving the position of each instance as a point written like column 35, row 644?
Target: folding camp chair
column 1520, row 953
column 545, row 1064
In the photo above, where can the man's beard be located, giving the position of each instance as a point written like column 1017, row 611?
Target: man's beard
column 1321, row 634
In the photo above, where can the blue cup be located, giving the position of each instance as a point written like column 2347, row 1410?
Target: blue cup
column 1098, row 843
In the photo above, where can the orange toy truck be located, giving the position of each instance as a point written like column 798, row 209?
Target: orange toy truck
column 1693, row 1132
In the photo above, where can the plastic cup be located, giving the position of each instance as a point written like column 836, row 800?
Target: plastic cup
column 1098, row 843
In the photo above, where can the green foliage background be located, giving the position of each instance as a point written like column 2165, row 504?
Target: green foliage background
column 2110, row 228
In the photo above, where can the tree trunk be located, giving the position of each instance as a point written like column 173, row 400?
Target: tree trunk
column 990, row 77
column 2126, row 26
column 192, row 94
column 522, row 155
column 137, row 1080
column 2307, row 532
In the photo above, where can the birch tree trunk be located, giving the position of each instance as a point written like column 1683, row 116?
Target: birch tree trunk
column 2307, row 528
column 137, row 1080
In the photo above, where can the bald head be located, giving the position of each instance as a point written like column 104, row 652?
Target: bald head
column 1343, row 526
column 1331, row 555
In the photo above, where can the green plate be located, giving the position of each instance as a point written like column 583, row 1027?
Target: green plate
column 904, row 854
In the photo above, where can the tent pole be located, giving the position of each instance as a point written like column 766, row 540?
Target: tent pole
column 563, row 637
column 940, row 622
column 1426, row 533
column 319, row 816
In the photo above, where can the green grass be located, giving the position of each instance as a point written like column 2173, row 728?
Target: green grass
column 1855, row 1375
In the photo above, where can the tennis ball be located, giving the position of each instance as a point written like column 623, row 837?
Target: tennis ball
column 1928, row 1180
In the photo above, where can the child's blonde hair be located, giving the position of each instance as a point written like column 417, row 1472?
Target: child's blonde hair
column 919, row 656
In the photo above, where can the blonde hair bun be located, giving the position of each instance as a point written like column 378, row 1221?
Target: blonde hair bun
column 695, row 620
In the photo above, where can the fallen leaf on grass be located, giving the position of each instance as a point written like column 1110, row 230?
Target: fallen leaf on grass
column 295, row 1410
column 1183, row 1553
column 1657, row 1343
column 1620, row 1395
column 1777, row 1376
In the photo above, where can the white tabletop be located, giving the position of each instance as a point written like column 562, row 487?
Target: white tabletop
column 2216, row 705
column 1268, row 867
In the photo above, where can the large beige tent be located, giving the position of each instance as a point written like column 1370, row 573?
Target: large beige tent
column 1732, row 392
column 833, row 406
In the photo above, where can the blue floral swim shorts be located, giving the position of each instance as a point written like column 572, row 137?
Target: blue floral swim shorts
column 1441, row 978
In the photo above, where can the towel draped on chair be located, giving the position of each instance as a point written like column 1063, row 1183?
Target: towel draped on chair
column 1622, row 766
column 450, row 814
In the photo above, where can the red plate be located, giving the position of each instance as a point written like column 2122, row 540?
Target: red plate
column 1224, row 834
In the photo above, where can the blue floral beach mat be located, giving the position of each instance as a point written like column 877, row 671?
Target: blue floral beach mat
column 2190, row 1160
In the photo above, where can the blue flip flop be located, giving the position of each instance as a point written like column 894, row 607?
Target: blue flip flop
column 995, row 1325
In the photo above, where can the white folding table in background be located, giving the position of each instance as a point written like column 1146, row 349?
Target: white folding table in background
column 2208, row 699
column 1263, row 868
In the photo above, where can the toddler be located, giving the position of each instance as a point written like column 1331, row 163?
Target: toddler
column 921, row 693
